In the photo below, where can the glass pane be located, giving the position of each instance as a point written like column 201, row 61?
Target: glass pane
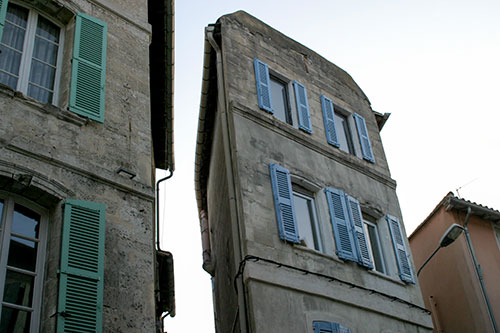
column 15, row 320
column 305, row 221
column 45, row 51
column 42, row 74
column 39, row 94
column 8, row 80
column 343, row 133
column 371, row 232
column 1, row 213
column 47, row 29
column 279, row 101
column 18, row 289
column 25, row 222
column 10, row 61
column 22, row 253
column 17, row 15
column 13, row 36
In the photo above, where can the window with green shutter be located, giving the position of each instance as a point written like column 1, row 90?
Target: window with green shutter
column 88, row 71
column 82, row 267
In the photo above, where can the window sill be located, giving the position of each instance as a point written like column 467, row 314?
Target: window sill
column 318, row 253
column 46, row 108
column 386, row 277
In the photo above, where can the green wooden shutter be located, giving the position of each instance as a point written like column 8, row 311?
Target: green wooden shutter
column 364, row 139
column 358, row 230
column 263, row 85
column 88, row 71
column 329, row 120
column 3, row 13
column 405, row 272
column 302, row 107
column 283, row 202
column 342, row 229
column 82, row 268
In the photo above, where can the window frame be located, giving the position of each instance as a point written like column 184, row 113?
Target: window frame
column 28, row 48
column 309, row 196
column 374, row 225
column 5, row 233
column 289, row 115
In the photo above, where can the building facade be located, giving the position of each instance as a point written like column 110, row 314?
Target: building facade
column 450, row 281
column 301, row 225
column 81, row 134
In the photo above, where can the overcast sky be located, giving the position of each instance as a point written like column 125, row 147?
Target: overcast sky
column 434, row 65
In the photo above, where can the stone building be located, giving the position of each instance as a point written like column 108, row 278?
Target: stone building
column 83, row 125
column 301, row 225
column 459, row 283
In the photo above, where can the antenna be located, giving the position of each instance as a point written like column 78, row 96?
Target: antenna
column 460, row 187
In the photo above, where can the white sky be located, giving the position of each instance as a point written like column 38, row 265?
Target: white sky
column 434, row 65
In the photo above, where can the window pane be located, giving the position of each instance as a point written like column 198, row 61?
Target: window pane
column 305, row 221
column 17, row 15
column 343, row 133
column 42, row 95
column 45, row 51
column 1, row 213
column 22, row 253
column 42, row 74
column 8, row 80
column 279, row 101
column 15, row 320
column 47, row 29
column 375, row 249
column 13, row 36
column 18, row 289
column 25, row 222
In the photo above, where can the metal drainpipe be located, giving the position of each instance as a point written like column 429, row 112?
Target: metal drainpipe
column 158, row 208
column 221, row 95
column 478, row 271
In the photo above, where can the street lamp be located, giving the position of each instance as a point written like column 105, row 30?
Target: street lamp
column 448, row 237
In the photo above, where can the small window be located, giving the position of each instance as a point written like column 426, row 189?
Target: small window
column 305, row 213
column 30, row 52
column 344, row 133
column 279, row 99
column 374, row 245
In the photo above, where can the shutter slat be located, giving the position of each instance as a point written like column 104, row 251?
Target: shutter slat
column 364, row 139
column 82, row 267
column 329, row 120
column 364, row 257
column 342, row 229
column 3, row 13
column 283, row 203
column 302, row 107
column 88, row 71
column 263, row 85
column 405, row 271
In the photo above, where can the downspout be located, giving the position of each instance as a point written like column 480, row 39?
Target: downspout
column 479, row 272
column 208, row 262
column 158, row 208
column 221, row 96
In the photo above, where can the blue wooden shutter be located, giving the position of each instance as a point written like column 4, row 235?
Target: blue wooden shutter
column 3, row 13
column 329, row 119
column 364, row 140
column 405, row 272
column 283, row 203
column 263, row 85
column 82, row 268
column 325, row 327
column 354, row 209
column 302, row 107
column 88, row 69
column 342, row 229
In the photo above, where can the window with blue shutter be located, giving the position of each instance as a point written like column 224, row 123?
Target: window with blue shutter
column 263, row 85
column 364, row 140
column 402, row 256
column 302, row 107
column 82, row 268
column 283, row 202
column 342, row 229
column 354, row 209
column 3, row 13
column 88, row 69
column 329, row 327
column 329, row 119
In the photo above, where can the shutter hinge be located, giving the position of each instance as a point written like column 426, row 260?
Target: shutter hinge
column 63, row 314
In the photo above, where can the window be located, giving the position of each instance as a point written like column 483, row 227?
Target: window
column 295, row 210
column 30, row 52
column 329, row 327
column 273, row 97
column 338, row 130
column 374, row 245
column 305, row 213
column 22, row 247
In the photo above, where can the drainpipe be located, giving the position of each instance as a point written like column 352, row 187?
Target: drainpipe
column 158, row 208
column 221, row 95
column 208, row 262
column 479, row 272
